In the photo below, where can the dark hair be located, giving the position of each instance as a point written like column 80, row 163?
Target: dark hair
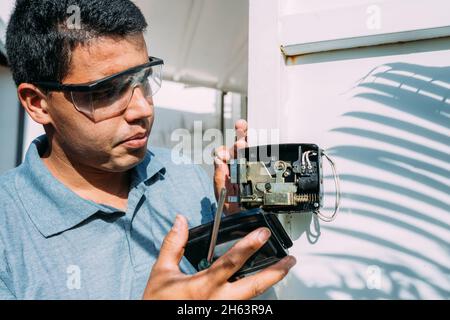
column 39, row 40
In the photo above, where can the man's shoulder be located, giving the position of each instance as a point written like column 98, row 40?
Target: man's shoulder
column 160, row 153
column 10, row 201
column 8, row 184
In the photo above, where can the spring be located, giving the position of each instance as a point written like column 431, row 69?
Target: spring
column 306, row 198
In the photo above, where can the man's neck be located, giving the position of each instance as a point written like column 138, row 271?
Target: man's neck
column 100, row 186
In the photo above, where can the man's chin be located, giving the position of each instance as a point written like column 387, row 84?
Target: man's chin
column 129, row 160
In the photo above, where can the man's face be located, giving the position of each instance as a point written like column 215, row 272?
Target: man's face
column 103, row 145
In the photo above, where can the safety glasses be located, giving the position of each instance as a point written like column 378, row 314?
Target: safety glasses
column 108, row 97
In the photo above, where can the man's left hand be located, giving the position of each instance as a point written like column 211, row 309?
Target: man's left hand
column 221, row 171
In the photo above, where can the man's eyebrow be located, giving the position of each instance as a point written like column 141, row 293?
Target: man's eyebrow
column 102, row 74
column 120, row 70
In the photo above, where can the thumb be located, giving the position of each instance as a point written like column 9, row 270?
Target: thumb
column 172, row 249
column 222, row 156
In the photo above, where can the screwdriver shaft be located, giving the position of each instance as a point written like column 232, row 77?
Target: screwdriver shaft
column 216, row 225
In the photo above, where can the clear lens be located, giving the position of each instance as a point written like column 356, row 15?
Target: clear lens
column 112, row 98
column 154, row 80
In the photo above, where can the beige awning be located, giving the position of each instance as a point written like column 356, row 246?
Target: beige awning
column 203, row 42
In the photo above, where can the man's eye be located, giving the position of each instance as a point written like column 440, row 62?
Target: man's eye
column 125, row 86
column 103, row 94
column 148, row 73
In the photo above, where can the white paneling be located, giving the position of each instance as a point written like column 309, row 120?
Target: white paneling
column 386, row 122
column 288, row 7
column 365, row 24
column 383, row 113
column 265, row 60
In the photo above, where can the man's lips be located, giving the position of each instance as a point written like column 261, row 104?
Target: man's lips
column 136, row 141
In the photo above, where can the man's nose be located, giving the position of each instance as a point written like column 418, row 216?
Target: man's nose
column 140, row 106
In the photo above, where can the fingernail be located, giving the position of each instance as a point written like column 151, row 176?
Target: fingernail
column 264, row 235
column 222, row 154
column 290, row 261
column 177, row 224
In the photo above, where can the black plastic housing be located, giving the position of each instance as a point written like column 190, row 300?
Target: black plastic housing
column 233, row 228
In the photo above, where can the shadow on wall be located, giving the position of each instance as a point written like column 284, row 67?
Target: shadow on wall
column 421, row 93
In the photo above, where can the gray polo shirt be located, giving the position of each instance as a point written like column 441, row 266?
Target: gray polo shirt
column 56, row 245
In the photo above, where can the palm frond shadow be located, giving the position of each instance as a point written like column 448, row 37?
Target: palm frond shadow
column 419, row 92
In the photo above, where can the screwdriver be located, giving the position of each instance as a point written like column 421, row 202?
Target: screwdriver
column 206, row 263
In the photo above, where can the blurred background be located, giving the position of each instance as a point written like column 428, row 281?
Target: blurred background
column 367, row 80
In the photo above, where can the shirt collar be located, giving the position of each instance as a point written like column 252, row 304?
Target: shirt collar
column 52, row 206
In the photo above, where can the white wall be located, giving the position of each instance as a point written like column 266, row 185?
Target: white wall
column 8, row 101
column 9, row 109
column 6, row 7
column 383, row 113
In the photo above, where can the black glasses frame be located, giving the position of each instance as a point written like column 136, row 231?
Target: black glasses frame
column 92, row 86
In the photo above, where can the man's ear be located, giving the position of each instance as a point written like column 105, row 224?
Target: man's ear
column 35, row 103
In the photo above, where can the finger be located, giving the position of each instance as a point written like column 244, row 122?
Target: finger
column 241, row 134
column 221, row 171
column 234, row 259
column 222, row 155
column 241, row 124
column 239, row 144
column 222, row 179
column 172, row 249
column 255, row 285
column 241, row 129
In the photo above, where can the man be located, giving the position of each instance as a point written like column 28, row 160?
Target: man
column 89, row 213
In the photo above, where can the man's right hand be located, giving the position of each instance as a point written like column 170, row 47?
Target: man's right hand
column 168, row 282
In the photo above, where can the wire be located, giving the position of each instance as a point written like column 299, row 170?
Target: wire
column 305, row 158
column 303, row 161
column 338, row 192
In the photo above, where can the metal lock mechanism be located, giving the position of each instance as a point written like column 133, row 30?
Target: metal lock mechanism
column 285, row 178
column 272, row 180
